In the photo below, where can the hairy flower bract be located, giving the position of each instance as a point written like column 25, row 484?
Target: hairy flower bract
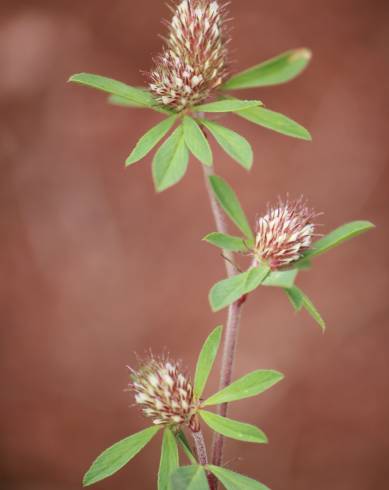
column 284, row 233
column 194, row 59
column 163, row 392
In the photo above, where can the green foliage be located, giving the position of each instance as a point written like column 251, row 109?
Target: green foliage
column 118, row 455
column 280, row 69
column 233, row 288
column 196, row 141
column 300, row 300
column 206, row 360
column 235, row 481
column 228, row 200
column 226, row 242
column 276, row 122
column 150, row 140
column 135, row 95
column 171, row 161
column 123, row 102
column 182, row 440
column 169, row 460
column 233, row 429
column 228, row 105
column 295, row 297
column 232, row 143
column 338, row 236
column 281, row 279
column 189, row 478
column 251, row 384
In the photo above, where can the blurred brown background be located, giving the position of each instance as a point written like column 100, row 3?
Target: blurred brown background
column 96, row 266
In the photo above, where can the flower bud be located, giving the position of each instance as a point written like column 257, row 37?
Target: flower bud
column 163, row 392
column 193, row 62
column 284, row 233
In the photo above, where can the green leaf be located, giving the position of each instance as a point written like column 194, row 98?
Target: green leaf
column 171, row 161
column 251, row 384
column 281, row 279
column 276, row 122
column 136, row 95
column 118, row 455
column 235, row 481
column 129, row 104
column 300, row 300
column 189, row 478
column 150, row 139
column 229, row 202
column 338, row 236
column 233, row 429
column 232, row 143
column 226, row 242
column 169, row 460
column 206, row 360
column 233, row 288
column 123, row 102
column 228, row 105
column 295, row 297
column 277, row 70
column 196, row 141
column 181, row 438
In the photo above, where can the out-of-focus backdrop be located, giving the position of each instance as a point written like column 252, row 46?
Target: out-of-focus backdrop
column 96, row 266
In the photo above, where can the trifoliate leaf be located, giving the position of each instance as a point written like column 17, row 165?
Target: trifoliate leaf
column 123, row 102
column 189, row 478
column 150, row 140
column 235, row 481
column 275, row 121
column 338, row 236
column 228, row 200
column 229, row 290
column 171, row 161
column 136, row 95
column 228, row 105
column 232, row 143
column 300, row 300
column 226, row 242
column 196, row 141
column 182, row 440
column 251, row 384
column 277, row 70
column 206, row 360
column 118, row 455
column 233, row 429
column 281, row 279
column 169, row 460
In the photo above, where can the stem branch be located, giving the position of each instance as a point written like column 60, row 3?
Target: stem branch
column 201, row 452
column 232, row 327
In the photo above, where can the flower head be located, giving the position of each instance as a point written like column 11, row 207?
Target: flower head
column 194, row 60
column 284, row 233
column 163, row 392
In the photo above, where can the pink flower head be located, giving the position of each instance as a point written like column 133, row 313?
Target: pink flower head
column 284, row 233
column 163, row 392
column 194, row 60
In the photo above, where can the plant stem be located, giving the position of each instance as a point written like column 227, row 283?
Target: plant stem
column 201, row 452
column 231, row 330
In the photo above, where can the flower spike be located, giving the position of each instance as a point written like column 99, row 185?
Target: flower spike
column 163, row 392
column 193, row 63
column 284, row 233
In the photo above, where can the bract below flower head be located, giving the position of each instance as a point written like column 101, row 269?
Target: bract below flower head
column 194, row 59
column 163, row 392
column 284, row 233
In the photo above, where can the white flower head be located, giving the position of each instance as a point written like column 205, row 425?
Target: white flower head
column 284, row 233
column 163, row 392
column 194, row 60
